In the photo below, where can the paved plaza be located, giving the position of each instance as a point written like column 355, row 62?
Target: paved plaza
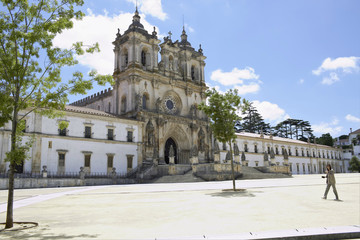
column 202, row 210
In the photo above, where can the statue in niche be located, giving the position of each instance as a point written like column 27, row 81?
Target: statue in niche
column 150, row 134
column 216, row 147
column 171, row 151
column 236, row 150
column 194, row 151
column 201, row 140
column 171, row 65
column 158, row 105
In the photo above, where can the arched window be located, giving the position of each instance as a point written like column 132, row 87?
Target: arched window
column 192, row 72
column 123, row 104
column 126, row 59
column 143, row 58
column 144, row 101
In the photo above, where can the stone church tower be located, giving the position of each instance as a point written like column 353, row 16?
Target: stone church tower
column 163, row 94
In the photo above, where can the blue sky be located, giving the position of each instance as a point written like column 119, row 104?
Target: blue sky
column 298, row 59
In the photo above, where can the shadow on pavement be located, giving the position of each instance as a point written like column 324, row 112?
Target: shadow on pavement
column 42, row 236
column 229, row 193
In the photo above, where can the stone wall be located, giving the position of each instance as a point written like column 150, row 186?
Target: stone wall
column 21, row 183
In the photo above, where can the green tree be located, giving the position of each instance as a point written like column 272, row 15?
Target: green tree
column 30, row 69
column 222, row 110
column 354, row 164
column 252, row 121
column 294, row 129
column 325, row 139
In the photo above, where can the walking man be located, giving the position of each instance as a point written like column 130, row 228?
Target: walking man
column 330, row 182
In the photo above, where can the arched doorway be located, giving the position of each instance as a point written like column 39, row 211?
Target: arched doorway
column 168, row 143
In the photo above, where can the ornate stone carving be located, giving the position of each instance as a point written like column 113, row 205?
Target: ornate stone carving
column 150, row 141
column 201, row 140
column 193, row 126
column 160, row 122
column 266, row 156
column 243, row 157
column 171, row 151
column 216, row 147
column 194, row 151
column 236, row 150
column 158, row 105
column 138, row 105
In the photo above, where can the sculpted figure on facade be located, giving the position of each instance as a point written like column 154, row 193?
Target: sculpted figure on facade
column 150, row 134
column 236, row 150
column 138, row 102
column 201, row 140
column 171, row 151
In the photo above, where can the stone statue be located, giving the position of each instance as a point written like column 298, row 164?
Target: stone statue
column 243, row 157
column 266, row 156
column 228, row 157
column 286, row 156
column 216, row 147
column 171, row 151
column 201, row 140
column 272, row 154
column 236, row 150
column 194, row 151
column 150, row 134
column 158, row 105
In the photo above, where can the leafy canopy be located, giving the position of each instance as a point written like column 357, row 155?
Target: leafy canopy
column 30, row 66
column 222, row 110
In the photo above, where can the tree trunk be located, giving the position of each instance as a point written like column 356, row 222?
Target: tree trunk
column 232, row 166
column 10, row 203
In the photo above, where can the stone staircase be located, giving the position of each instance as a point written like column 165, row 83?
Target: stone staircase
column 187, row 177
column 253, row 173
column 248, row 173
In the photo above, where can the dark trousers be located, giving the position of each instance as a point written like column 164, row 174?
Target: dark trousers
column 328, row 188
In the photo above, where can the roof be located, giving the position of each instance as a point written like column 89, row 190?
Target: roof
column 280, row 139
column 85, row 110
column 356, row 132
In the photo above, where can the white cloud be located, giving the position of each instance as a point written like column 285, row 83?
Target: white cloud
column 270, row 111
column 102, row 29
column 333, row 78
column 346, row 64
column 352, row 118
column 301, row 81
column 251, row 88
column 236, row 76
column 328, row 127
column 151, row 7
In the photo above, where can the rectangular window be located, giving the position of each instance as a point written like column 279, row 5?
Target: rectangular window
column 290, row 167
column 302, row 152
column 268, row 149
column 61, row 159
column 87, row 132
column 129, row 136
column 110, row 161
column 110, row 134
column 296, row 152
column 87, row 160
column 314, row 168
column 289, row 152
column 62, row 132
column 255, row 148
column 303, row 167
column 297, row 167
column 256, row 163
column 50, row 144
column 276, row 151
column 129, row 161
column 309, row 170
column 246, row 148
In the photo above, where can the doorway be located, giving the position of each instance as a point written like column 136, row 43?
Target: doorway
column 170, row 142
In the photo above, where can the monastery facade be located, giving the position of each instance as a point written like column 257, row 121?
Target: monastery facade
column 150, row 118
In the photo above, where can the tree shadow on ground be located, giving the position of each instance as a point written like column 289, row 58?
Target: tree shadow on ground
column 40, row 235
column 229, row 193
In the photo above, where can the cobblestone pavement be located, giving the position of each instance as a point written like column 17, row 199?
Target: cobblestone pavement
column 265, row 208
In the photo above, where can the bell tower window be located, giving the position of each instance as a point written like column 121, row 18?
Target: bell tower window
column 192, row 73
column 143, row 58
